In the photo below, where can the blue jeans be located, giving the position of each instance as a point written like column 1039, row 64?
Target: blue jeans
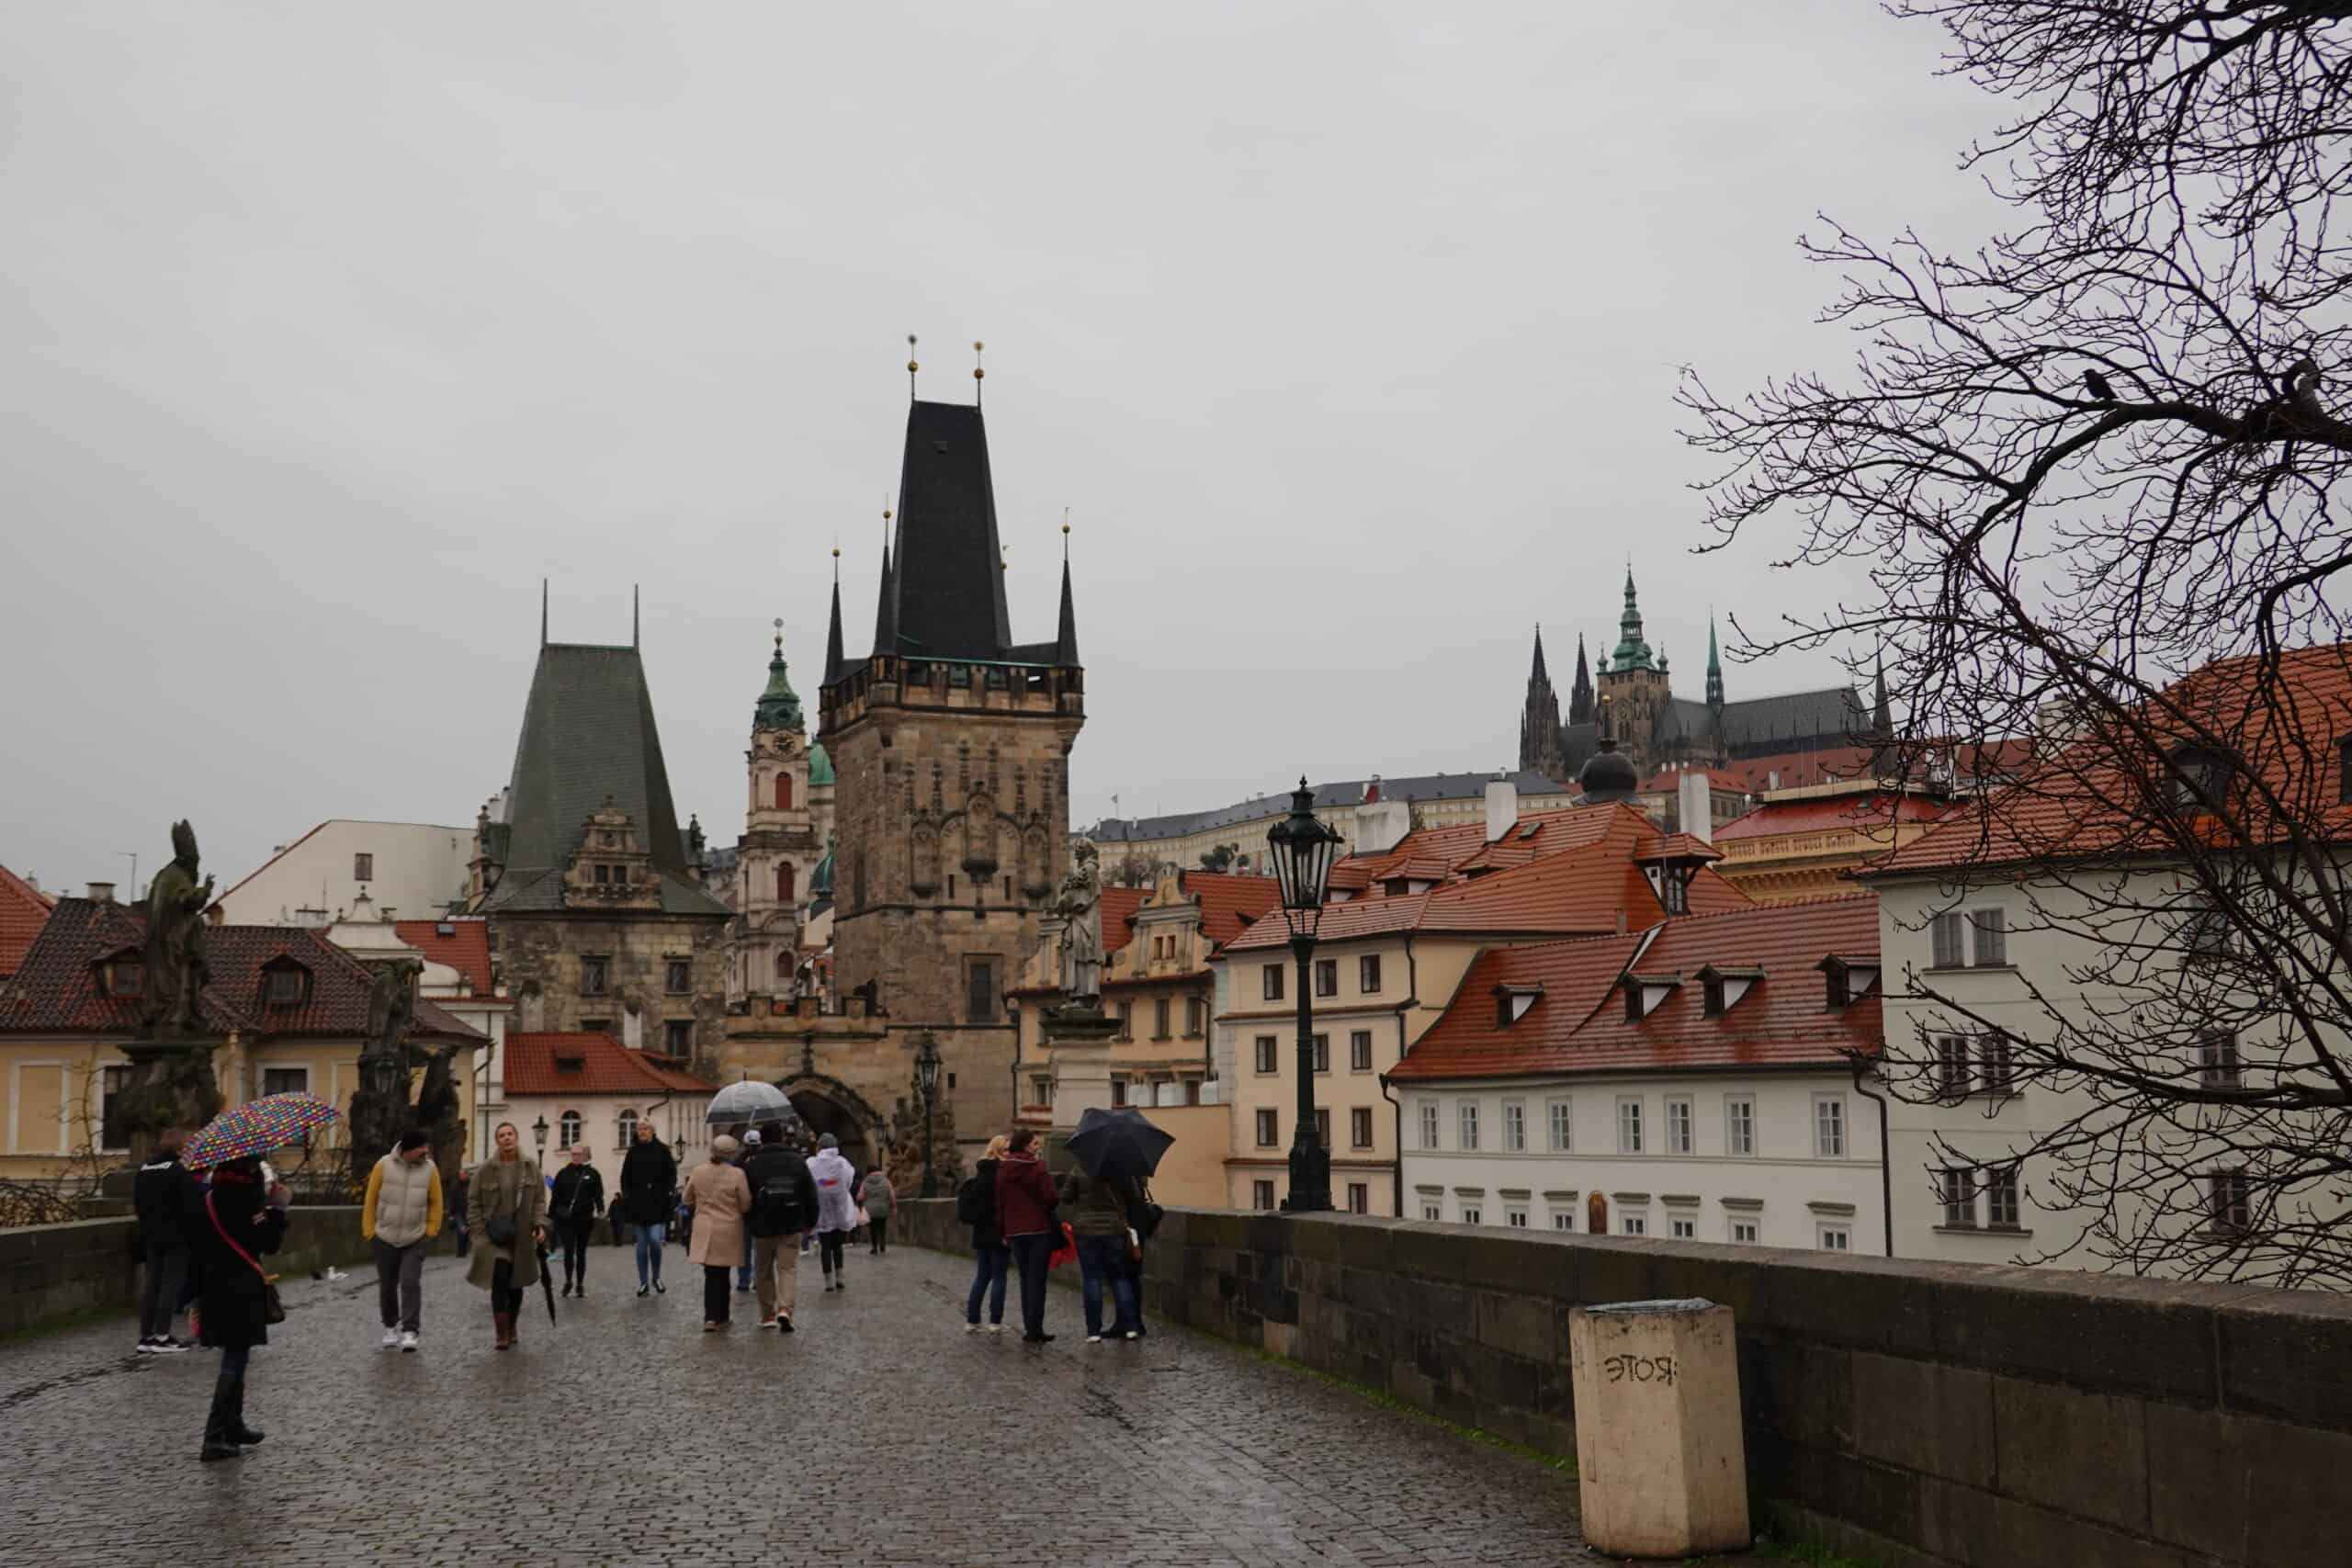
column 989, row 1281
column 1102, row 1258
column 649, row 1254
column 743, row 1274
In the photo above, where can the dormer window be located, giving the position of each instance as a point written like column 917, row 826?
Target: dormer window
column 2197, row 780
column 1725, row 987
column 1849, row 979
column 123, row 978
column 1646, row 993
column 1511, row 1003
column 286, row 987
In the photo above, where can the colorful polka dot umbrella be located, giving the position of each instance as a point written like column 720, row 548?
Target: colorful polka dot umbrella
column 256, row 1127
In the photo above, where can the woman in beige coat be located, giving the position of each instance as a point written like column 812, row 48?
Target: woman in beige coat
column 511, row 1197
column 720, row 1197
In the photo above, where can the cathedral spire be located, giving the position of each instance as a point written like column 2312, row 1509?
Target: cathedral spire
column 1580, row 693
column 1539, row 721
column 1066, row 642
column 1539, row 673
column 834, row 633
column 1714, row 668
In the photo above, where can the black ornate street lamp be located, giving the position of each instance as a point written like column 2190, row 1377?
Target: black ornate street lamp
column 540, row 1135
column 1302, row 848
column 927, row 1085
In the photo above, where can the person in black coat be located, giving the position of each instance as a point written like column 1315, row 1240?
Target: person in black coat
column 784, row 1208
column 577, row 1198
column 649, row 1195
column 239, row 1225
column 167, row 1201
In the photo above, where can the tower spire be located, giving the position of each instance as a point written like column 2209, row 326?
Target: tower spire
column 1714, row 668
column 885, row 611
column 1539, row 673
column 1066, row 642
column 1580, row 693
column 833, row 632
column 1631, row 652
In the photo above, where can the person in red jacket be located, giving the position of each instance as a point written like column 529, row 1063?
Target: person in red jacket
column 1025, row 1200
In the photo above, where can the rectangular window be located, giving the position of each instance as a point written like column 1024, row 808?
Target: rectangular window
column 1837, row 1238
column 1360, row 1051
column 285, row 1080
column 1515, row 1215
column 1468, row 1114
column 1563, row 1219
column 591, row 975
column 1556, row 1115
column 1743, row 1231
column 1160, row 1011
column 2228, row 1203
column 112, row 1082
column 1268, row 1135
column 1360, row 1127
column 1262, row 1194
column 1323, row 1126
column 2217, row 1060
column 1956, row 1189
column 604, row 874
column 1118, row 1091
column 362, row 868
column 1830, row 1127
column 1429, row 1123
column 2001, row 1197
column 1321, row 1045
column 1991, row 937
column 1126, row 1021
column 678, row 976
column 1944, row 932
column 678, row 1037
column 1326, row 977
column 979, row 990
column 1197, row 1014
column 1679, row 1139
column 1432, row 1212
column 1263, row 1054
column 1514, row 1126
column 1368, row 974
column 285, row 988
column 1271, row 978
column 1630, row 1224
column 1041, row 1090
column 1951, row 1066
column 1629, row 1127
column 1739, row 1125
column 1359, row 1198
column 1471, row 1214
column 1681, row 1227
column 1998, row 1074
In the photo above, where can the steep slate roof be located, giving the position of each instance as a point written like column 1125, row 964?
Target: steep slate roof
column 1341, row 791
column 57, row 989
column 24, row 909
column 1791, row 716
column 1577, row 1023
column 2080, row 801
column 946, row 584
column 466, row 949
column 607, row 1067
column 588, row 733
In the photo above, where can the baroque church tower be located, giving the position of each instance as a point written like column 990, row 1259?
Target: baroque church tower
column 784, row 829
column 951, row 745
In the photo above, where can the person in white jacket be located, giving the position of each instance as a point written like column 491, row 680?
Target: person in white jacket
column 836, row 1179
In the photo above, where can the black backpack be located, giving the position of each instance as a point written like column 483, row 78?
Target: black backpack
column 971, row 1202
column 775, row 1208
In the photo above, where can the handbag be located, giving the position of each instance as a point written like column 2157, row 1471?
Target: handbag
column 273, row 1310
column 500, row 1229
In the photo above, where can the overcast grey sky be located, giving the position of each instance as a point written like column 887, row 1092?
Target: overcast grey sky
column 1346, row 333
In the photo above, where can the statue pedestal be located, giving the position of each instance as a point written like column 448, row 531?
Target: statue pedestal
column 1078, row 1049
column 172, row 1085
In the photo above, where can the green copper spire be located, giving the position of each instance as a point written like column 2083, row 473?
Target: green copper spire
column 1632, row 653
column 779, row 706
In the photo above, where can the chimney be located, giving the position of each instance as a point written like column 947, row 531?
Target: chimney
column 1621, row 922
column 1502, row 808
column 1698, row 811
column 101, row 892
column 1381, row 824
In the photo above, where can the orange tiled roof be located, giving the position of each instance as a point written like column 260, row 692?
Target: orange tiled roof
column 1119, row 906
column 1579, row 1023
column 1229, row 904
column 2284, row 728
column 582, row 1064
column 24, row 909
column 1877, row 809
column 466, row 949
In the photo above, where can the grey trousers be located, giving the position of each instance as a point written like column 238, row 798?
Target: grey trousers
column 400, row 1285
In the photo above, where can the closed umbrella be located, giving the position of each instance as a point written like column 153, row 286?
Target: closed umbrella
column 256, row 1127
column 1122, row 1143
column 749, row 1101
column 546, row 1280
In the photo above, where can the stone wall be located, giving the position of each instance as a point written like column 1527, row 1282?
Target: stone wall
column 48, row 1272
column 539, row 961
column 1925, row 1415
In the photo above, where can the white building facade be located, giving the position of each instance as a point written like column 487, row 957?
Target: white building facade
column 410, row 870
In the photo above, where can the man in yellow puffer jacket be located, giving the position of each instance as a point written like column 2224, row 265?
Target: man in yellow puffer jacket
column 400, row 1214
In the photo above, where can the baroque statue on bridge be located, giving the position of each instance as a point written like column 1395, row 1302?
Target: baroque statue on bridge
column 1079, row 901
column 174, row 957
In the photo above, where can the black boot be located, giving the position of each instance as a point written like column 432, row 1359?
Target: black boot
column 239, row 1432
column 219, row 1443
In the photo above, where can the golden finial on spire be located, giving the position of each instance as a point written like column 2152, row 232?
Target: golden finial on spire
column 779, row 637
column 913, row 366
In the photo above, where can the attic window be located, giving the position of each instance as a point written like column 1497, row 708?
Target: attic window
column 1511, row 1003
column 445, row 928
column 571, row 1064
column 1643, row 993
column 1535, row 828
column 1849, row 979
column 1725, row 987
column 287, row 985
column 124, row 978
column 2199, row 779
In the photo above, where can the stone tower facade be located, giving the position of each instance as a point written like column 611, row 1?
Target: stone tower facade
column 951, row 744
column 785, row 831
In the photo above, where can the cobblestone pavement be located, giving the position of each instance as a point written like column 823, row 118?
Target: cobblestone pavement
column 879, row 1434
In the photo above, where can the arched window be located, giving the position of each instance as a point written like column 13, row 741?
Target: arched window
column 784, row 969
column 628, row 1128
column 783, row 883
column 567, row 1130
column 783, row 791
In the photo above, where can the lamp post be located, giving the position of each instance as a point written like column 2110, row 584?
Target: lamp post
column 1302, row 848
column 540, row 1135
column 927, row 1085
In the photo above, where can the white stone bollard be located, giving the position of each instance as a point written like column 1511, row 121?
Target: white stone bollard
column 1661, row 1465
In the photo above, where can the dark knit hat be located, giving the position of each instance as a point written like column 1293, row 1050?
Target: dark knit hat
column 414, row 1138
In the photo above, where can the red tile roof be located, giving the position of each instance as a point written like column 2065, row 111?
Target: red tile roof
column 591, row 1064
column 466, row 949
column 1875, row 810
column 1782, row 769
column 1579, row 1023
column 1675, row 846
column 1229, row 904
column 24, row 909
column 2284, row 727
column 57, row 990
column 1119, row 906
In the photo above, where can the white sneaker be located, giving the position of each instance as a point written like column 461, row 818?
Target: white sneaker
column 996, row 1328
column 334, row 1274
column 968, row 1329
column 1094, row 1339
column 408, row 1341
column 146, row 1346
column 1134, row 1334
column 391, row 1339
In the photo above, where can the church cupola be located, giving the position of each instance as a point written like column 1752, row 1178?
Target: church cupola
column 779, row 706
column 1632, row 653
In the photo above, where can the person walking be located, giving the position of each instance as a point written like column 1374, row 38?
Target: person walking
column 508, row 1222
column 976, row 1207
column 648, row 1197
column 167, row 1201
column 873, row 1196
column 784, row 1202
column 575, row 1201
column 242, row 1220
column 718, row 1196
column 400, row 1212
column 836, row 1211
column 459, row 1191
column 749, row 1138
column 1097, row 1211
column 1025, row 1202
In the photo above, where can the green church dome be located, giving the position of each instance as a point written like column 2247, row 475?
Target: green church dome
column 820, row 767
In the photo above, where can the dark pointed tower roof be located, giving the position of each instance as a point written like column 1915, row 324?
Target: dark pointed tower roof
column 886, row 619
column 1539, row 673
column 1066, row 640
column 1714, row 668
column 944, row 588
column 834, row 633
column 1580, row 693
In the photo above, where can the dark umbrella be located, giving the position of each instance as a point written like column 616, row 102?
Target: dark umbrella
column 1122, row 1143
column 546, row 1282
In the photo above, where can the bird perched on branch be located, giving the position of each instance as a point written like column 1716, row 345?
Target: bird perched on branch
column 2100, row 391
